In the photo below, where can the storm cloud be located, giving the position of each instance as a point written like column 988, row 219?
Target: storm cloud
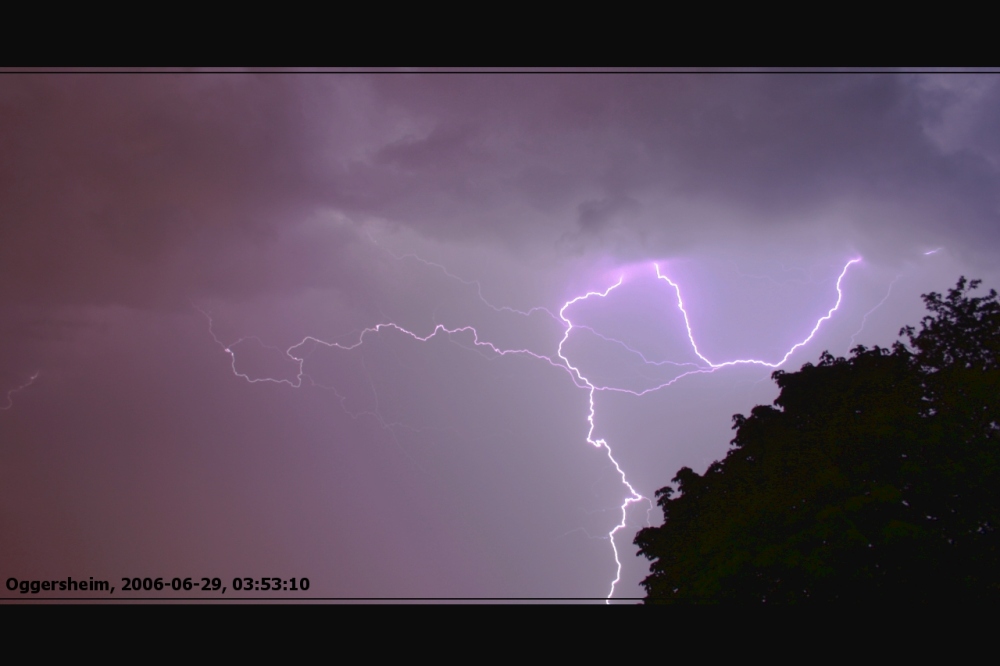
column 151, row 221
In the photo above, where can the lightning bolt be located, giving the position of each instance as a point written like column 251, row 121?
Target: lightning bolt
column 18, row 389
column 561, row 362
column 371, row 330
column 877, row 306
column 753, row 361
column 633, row 495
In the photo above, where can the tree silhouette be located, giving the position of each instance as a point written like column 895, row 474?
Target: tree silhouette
column 874, row 477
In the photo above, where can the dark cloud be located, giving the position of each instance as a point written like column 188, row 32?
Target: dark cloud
column 596, row 216
column 104, row 175
column 106, row 179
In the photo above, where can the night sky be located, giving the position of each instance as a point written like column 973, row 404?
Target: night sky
column 188, row 263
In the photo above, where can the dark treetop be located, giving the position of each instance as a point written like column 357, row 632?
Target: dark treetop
column 872, row 478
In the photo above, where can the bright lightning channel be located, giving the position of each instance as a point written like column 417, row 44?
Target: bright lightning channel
column 743, row 361
column 633, row 495
column 563, row 363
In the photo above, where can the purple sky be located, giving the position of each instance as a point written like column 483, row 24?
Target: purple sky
column 148, row 222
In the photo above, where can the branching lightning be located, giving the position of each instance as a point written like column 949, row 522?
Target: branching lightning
column 633, row 495
column 560, row 362
column 743, row 361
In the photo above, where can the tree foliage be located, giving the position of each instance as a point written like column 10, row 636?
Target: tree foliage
column 874, row 477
